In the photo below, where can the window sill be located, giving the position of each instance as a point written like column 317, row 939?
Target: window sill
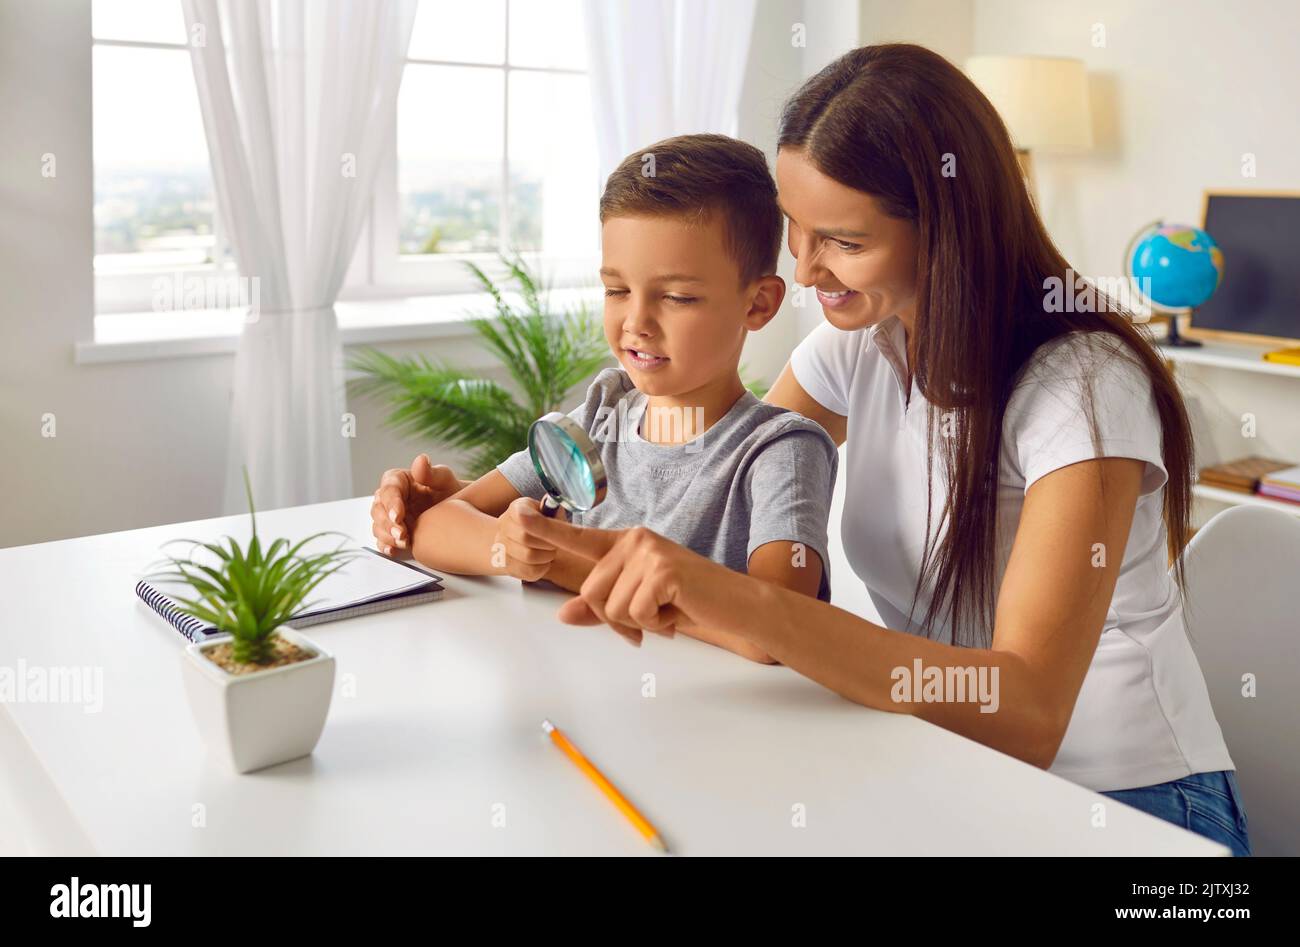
column 136, row 336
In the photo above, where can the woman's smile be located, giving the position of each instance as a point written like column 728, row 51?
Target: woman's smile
column 837, row 298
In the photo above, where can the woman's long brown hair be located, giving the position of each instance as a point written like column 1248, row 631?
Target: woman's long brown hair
column 888, row 120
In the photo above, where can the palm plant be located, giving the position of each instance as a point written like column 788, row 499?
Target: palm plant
column 545, row 355
column 249, row 593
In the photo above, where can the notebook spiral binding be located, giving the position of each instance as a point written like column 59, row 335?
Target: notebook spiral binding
column 188, row 625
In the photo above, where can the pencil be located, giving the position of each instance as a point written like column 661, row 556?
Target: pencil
column 648, row 831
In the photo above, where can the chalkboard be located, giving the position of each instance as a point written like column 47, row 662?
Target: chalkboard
column 1259, row 294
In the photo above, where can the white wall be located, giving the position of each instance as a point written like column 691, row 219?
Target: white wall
column 945, row 26
column 1181, row 91
column 831, row 29
column 776, row 67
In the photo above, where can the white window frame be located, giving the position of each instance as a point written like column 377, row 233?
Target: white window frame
column 132, row 292
column 378, row 270
column 391, row 273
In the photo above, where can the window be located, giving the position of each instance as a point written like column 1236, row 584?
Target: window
column 495, row 145
column 494, row 150
column 154, row 205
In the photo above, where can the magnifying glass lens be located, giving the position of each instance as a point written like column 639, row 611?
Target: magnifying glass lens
column 563, row 468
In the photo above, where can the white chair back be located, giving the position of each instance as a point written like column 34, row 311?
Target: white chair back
column 1243, row 615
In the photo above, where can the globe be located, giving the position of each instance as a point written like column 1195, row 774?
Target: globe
column 1177, row 267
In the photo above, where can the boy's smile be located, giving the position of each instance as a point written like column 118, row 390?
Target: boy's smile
column 645, row 360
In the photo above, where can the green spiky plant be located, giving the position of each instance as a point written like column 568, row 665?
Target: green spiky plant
column 249, row 593
column 545, row 354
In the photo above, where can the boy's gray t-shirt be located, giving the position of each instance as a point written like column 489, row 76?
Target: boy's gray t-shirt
column 760, row 474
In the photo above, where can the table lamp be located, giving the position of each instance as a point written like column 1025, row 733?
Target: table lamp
column 1043, row 101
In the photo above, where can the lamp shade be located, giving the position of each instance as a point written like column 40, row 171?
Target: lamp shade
column 1044, row 101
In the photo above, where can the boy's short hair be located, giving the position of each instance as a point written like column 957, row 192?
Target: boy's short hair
column 697, row 176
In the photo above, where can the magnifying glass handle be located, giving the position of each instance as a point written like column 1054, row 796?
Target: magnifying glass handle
column 550, row 507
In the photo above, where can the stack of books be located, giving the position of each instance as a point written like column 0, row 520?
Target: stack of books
column 1244, row 475
column 1281, row 485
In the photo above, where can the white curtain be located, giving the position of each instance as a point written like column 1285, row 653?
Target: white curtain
column 664, row 67
column 298, row 100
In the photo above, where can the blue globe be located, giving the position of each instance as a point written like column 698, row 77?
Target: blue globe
column 1179, row 267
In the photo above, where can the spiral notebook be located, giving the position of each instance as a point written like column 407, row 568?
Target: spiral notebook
column 366, row 585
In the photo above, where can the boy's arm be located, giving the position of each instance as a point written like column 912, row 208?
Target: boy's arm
column 774, row 562
column 457, row 534
column 790, row 484
column 568, row 571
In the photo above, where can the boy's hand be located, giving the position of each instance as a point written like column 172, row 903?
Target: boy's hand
column 640, row 581
column 515, row 549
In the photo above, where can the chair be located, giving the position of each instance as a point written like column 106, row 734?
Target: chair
column 1243, row 614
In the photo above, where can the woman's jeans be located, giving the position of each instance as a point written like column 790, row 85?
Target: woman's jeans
column 1208, row 804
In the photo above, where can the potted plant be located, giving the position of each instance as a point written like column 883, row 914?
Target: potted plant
column 545, row 353
column 259, row 690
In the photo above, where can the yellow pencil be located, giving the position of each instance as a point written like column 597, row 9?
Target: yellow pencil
column 642, row 824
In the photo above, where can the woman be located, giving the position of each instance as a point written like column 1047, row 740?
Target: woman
column 1018, row 464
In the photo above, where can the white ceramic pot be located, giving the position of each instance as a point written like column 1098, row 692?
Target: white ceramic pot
column 267, row 717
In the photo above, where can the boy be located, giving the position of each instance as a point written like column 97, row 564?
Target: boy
column 691, row 231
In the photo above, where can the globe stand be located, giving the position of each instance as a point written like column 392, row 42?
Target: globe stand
column 1175, row 339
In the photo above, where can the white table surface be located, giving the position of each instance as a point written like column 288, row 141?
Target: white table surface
column 444, row 728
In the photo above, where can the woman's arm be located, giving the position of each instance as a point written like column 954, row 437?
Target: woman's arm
column 1051, row 606
column 788, row 393
column 772, row 562
column 775, row 563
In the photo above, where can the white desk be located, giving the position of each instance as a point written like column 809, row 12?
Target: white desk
column 445, row 725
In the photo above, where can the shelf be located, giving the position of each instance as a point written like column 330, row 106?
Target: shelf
column 1234, row 355
column 1232, row 497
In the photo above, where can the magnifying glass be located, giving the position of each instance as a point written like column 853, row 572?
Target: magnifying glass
column 567, row 463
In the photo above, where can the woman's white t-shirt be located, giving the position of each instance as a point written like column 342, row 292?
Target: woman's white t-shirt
column 1143, row 715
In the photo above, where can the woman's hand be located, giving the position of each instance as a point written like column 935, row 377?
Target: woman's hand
column 640, row 580
column 402, row 496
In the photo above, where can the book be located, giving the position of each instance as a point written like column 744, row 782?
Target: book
column 1241, row 475
column 365, row 586
column 1279, row 493
column 1288, row 479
